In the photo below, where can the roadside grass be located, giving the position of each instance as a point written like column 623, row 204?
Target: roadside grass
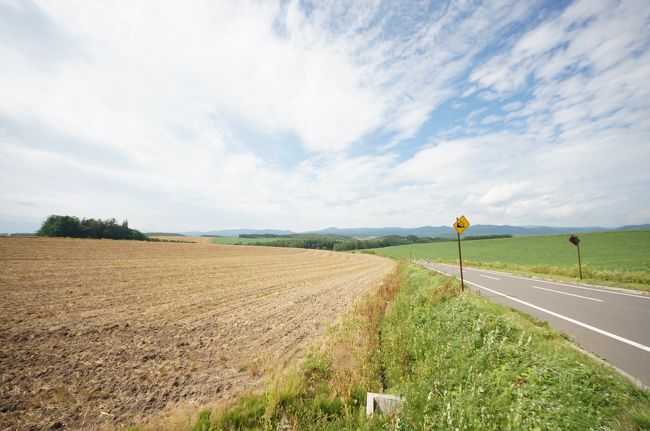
column 608, row 258
column 463, row 362
column 459, row 361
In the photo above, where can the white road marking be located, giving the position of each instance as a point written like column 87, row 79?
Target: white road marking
column 603, row 290
column 566, row 293
column 490, row 277
column 491, row 271
column 596, row 289
column 568, row 319
column 560, row 316
column 442, row 272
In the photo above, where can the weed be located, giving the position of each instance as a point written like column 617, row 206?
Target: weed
column 203, row 422
column 460, row 362
column 634, row 418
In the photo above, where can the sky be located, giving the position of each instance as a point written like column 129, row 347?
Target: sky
column 301, row 115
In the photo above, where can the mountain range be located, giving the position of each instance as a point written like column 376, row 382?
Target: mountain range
column 430, row 231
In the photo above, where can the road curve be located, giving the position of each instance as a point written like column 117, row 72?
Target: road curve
column 613, row 324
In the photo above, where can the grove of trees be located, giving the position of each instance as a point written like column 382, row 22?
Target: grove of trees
column 72, row 227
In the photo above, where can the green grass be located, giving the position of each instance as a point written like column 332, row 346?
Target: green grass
column 620, row 258
column 463, row 362
column 460, row 362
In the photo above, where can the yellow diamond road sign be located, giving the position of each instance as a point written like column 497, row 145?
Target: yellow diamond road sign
column 461, row 224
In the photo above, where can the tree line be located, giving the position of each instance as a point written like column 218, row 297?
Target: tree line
column 73, row 227
column 319, row 242
column 266, row 235
column 384, row 241
column 340, row 243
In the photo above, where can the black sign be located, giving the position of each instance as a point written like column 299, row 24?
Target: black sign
column 574, row 240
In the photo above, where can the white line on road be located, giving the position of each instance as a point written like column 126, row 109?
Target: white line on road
column 595, row 289
column 487, row 276
column 491, row 271
column 566, row 293
column 560, row 316
column 568, row 319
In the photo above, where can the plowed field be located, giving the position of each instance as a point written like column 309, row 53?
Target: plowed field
column 99, row 333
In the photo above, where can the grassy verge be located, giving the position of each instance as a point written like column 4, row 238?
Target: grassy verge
column 460, row 361
column 628, row 280
column 463, row 362
column 609, row 258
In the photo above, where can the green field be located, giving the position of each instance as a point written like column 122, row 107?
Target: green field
column 610, row 257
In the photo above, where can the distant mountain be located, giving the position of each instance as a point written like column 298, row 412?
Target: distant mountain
column 237, row 232
column 430, row 231
column 635, row 227
column 478, row 229
column 488, row 229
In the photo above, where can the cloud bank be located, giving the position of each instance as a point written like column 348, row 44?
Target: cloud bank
column 304, row 115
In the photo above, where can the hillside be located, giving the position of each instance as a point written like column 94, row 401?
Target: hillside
column 619, row 257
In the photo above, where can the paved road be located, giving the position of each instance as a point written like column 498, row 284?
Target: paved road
column 613, row 324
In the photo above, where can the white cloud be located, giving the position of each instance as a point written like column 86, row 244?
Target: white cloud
column 144, row 110
column 503, row 192
column 491, row 119
column 513, row 106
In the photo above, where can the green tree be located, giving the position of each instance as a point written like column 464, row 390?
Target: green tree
column 57, row 225
column 68, row 226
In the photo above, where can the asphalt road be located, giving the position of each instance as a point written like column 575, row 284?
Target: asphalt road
column 614, row 324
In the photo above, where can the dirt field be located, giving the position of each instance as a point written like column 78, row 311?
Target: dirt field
column 99, row 333
column 199, row 239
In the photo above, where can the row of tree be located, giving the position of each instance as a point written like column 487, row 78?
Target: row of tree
column 266, row 235
column 72, row 227
column 338, row 243
column 384, row 241
column 320, row 242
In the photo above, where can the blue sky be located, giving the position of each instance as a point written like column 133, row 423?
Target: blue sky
column 302, row 115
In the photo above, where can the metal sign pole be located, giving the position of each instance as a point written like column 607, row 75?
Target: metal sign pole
column 460, row 259
column 576, row 241
column 579, row 263
column 461, row 224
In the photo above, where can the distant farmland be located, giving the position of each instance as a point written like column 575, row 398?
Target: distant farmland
column 616, row 257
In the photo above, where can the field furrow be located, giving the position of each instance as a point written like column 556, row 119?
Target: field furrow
column 97, row 333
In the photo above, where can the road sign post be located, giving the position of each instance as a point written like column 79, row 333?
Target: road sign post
column 461, row 224
column 460, row 259
column 576, row 241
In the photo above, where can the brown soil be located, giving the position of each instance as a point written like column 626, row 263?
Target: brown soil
column 199, row 239
column 100, row 333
